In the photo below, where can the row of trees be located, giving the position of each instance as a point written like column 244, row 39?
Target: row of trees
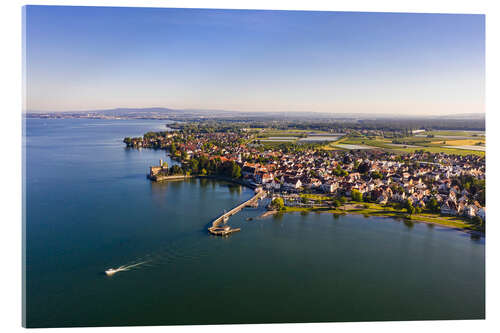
column 204, row 166
column 210, row 126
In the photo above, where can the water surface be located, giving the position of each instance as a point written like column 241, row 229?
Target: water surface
column 89, row 207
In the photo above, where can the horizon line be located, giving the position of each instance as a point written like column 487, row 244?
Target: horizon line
column 480, row 113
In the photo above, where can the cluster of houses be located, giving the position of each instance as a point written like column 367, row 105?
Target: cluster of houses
column 385, row 177
column 394, row 181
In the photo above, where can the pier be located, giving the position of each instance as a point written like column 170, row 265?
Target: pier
column 218, row 227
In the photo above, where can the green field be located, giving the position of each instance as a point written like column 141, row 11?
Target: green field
column 455, row 133
column 433, row 145
column 265, row 133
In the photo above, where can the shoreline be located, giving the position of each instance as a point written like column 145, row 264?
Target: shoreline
column 183, row 177
column 267, row 214
column 353, row 208
column 464, row 229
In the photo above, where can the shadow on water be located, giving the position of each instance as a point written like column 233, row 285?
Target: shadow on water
column 409, row 223
column 234, row 189
column 475, row 236
column 471, row 234
column 203, row 182
column 278, row 216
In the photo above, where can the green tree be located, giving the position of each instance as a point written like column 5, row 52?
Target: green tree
column 278, row 203
column 150, row 135
column 363, row 167
column 477, row 220
column 184, row 155
column 173, row 148
column 409, row 207
column 194, row 166
column 433, row 205
column 176, row 170
column 356, row 195
column 235, row 170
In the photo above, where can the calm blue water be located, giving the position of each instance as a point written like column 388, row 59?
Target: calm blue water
column 89, row 207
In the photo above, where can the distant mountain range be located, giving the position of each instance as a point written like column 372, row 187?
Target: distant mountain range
column 216, row 112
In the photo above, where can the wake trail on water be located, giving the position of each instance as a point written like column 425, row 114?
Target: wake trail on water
column 134, row 265
column 123, row 268
column 173, row 252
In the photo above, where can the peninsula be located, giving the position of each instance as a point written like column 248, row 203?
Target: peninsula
column 413, row 173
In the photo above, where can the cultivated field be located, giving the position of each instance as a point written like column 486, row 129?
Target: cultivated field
column 450, row 142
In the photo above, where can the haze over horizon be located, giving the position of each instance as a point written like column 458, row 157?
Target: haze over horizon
column 94, row 58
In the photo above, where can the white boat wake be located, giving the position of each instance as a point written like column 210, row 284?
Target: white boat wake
column 112, row 271
column 169, row 253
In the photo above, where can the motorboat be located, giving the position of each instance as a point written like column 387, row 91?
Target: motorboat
column 111, row 271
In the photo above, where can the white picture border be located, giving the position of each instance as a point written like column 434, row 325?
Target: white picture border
column 11, row 161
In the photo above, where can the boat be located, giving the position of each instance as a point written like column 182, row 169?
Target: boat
column 112, row 271
column 222, row 231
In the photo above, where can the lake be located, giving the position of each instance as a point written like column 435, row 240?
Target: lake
column 89, row 207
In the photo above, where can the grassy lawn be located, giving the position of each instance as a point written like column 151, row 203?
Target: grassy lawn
column 373, row 209
column 450, row 221
column 316, row 196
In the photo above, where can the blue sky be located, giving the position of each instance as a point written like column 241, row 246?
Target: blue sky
column 83, row 58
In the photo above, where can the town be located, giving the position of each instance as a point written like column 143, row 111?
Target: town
column 434, row 187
